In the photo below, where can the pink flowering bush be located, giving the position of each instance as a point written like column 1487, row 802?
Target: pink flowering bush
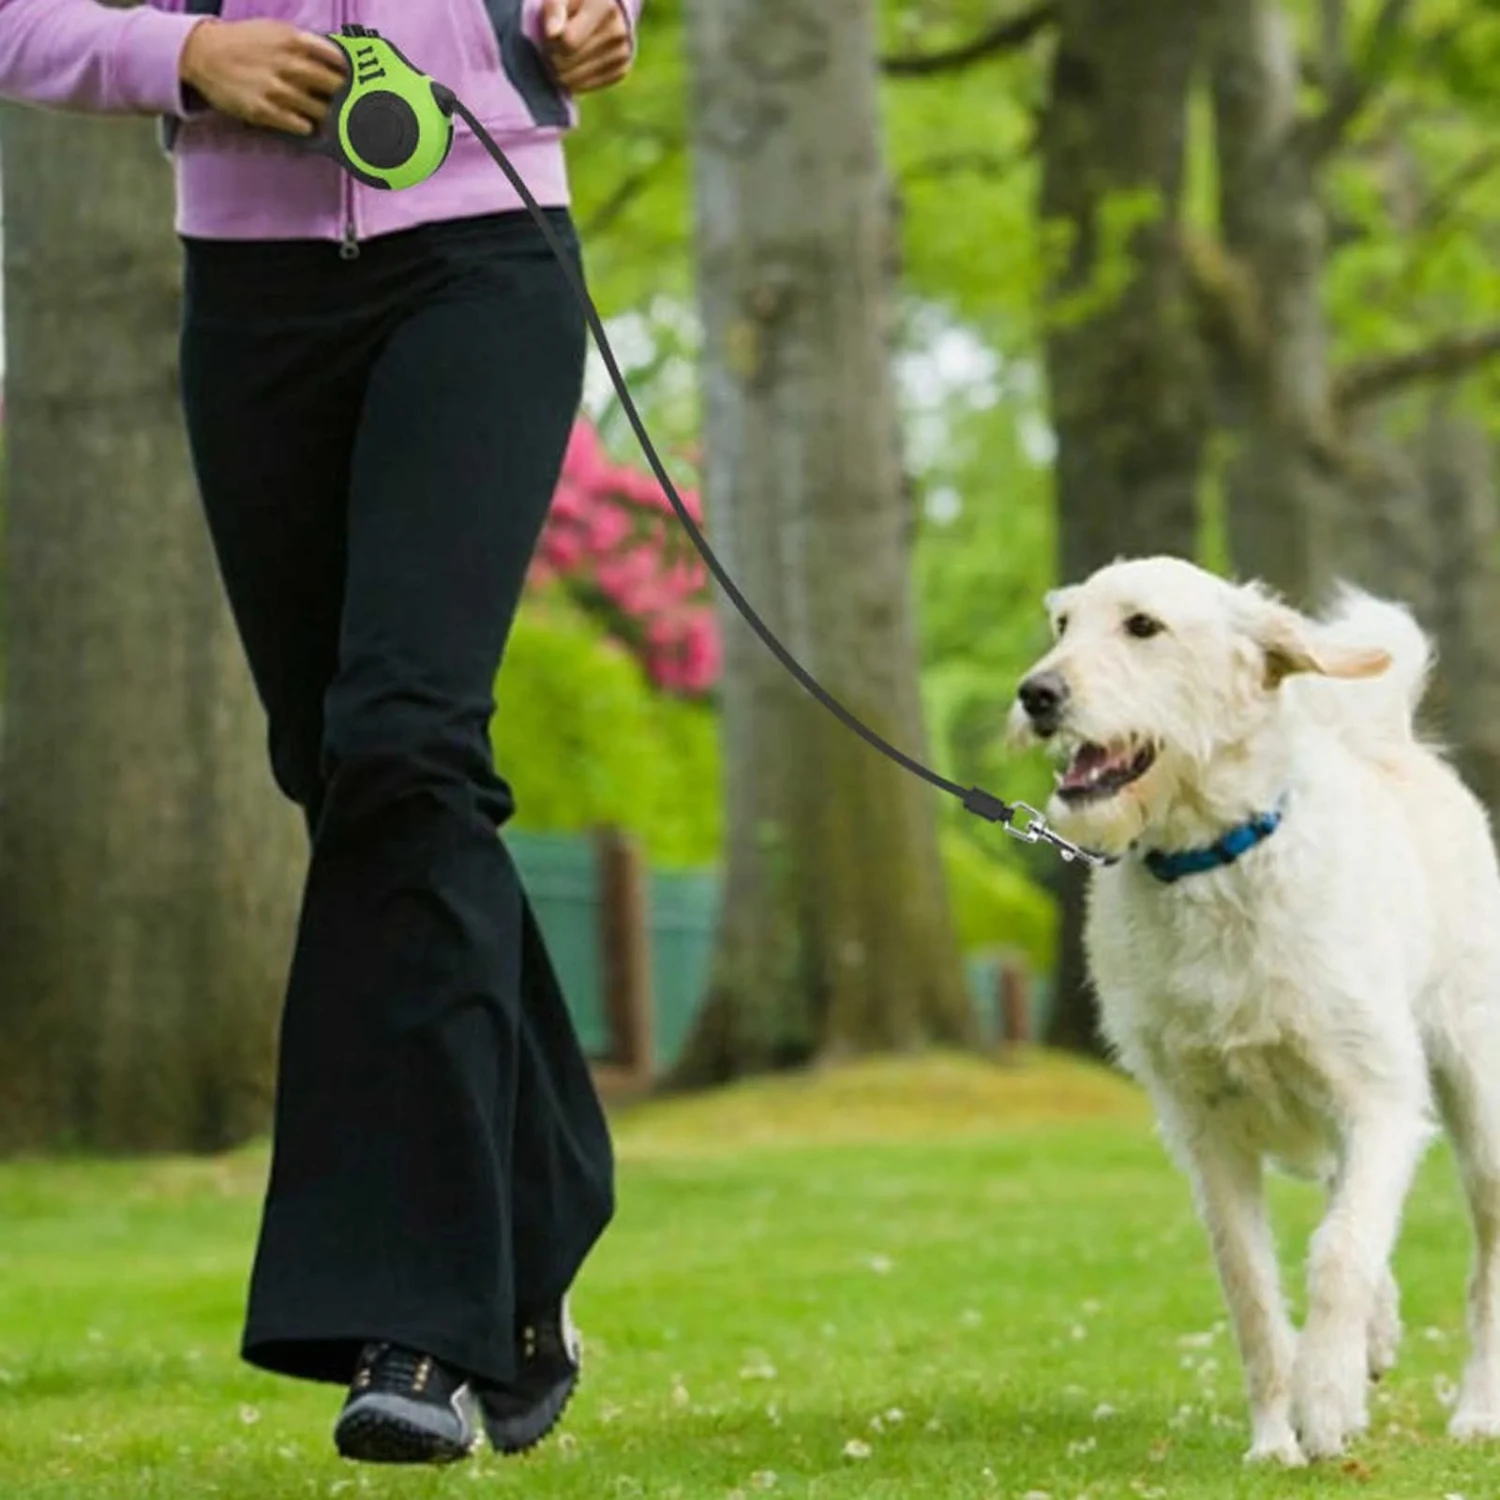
column 614, row 543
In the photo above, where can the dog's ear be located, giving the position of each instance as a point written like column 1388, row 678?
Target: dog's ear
column 1288, row 643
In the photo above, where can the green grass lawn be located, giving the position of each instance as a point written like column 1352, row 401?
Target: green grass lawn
column 946, row 1279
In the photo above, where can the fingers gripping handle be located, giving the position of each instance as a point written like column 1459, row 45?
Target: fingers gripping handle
column 390, row 126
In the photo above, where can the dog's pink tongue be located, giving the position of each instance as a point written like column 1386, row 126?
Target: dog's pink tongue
column 1088, row 762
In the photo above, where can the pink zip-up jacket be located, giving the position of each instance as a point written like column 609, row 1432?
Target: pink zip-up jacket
column 236, row 183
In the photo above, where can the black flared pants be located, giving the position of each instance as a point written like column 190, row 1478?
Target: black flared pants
column 377, row 441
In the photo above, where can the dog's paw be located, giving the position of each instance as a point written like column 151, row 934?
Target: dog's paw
column 1277, row 1444
column 1475, row 1424
column 1328, row 1402
column 1476, row 1413
column 1323, row 1434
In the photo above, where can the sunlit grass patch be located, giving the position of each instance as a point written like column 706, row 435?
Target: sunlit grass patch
column 898, row 1280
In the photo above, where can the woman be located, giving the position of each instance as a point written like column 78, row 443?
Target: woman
column 379, row 389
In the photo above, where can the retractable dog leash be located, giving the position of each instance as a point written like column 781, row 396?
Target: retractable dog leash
column 391, row 126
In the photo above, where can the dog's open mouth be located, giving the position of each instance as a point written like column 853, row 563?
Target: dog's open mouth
column 1097, row 771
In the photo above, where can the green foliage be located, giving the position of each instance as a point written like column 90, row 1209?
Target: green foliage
column 585, row 740
column 1122, row 217
column 984, row 559
column 995, row 906
column 629, row 168
column 1415, row 196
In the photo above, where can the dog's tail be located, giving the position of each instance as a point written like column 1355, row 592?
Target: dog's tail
column 1383, row 707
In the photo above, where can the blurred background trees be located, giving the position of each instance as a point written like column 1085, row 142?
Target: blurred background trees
column 148, row 869
column 1207, row 278
column 835, row 933
column 931, row 303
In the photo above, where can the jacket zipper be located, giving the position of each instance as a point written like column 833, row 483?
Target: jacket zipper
column 349, row 248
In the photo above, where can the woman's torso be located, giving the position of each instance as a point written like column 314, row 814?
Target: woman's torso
column 235, row 183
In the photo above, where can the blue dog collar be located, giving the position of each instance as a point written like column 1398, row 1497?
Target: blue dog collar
column 1238, row 842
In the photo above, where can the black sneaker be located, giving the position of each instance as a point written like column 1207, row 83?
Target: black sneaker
column 518, row 1415
column 406, row 1408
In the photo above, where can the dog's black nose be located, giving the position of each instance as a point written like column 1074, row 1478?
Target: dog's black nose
column 1043, row 696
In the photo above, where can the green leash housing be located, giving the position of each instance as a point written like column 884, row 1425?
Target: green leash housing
column 390, row 125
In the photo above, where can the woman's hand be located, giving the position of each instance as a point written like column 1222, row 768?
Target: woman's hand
column 587, row 43
column 266, row 73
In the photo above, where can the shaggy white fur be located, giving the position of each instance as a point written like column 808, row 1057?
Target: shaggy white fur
column 1322, row 1001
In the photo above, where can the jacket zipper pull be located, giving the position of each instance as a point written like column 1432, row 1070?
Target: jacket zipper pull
column 349, row 249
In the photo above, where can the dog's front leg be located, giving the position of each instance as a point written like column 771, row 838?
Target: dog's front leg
column 1348, row 1259
column 1228, row 1182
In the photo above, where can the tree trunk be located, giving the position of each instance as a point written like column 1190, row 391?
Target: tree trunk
column 148, row 869
column 836, row 935
column 1463, row 520
column 1318, row 495
column 1282, row 481
column 1123, row 356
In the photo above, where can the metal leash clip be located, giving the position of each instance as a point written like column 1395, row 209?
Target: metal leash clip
column 1035, row 831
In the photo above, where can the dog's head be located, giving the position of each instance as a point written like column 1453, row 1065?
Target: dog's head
column 1159, row 676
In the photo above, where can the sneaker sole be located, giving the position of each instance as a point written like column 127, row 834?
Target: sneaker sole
column 380, row 1437
column 517, row 1435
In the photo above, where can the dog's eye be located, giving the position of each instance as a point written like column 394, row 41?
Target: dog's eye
column 1143, row 627
column 1062, row 625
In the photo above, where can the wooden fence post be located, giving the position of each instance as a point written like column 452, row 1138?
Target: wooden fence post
column 625, row 945
column 1015, row 1006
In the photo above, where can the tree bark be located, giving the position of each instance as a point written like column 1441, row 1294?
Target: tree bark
column 1281, row 480
column 148, row 870
column 1124, row 363
column 1463, row 520
column 836, row 935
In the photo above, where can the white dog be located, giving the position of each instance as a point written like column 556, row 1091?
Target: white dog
column 1297, row 952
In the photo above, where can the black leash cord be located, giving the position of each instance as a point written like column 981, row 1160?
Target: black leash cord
column 978, row 801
